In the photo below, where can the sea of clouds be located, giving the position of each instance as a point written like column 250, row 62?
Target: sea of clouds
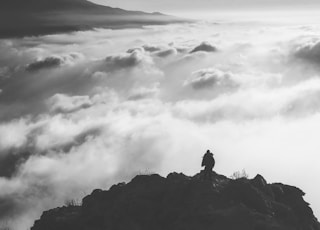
column 86, row 110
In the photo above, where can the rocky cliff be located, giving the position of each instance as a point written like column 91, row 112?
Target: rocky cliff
column 179, row 202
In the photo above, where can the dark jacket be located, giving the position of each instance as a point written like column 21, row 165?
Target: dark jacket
column 208, row 160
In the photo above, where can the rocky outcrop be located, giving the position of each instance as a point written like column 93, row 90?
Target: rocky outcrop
column 179, row 202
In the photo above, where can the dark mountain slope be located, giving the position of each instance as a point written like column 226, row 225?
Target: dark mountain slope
column 33, row 5
column 36, row 6
column 179, row 202
column 37, row 17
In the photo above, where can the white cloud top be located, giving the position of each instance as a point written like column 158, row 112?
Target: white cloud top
column 109, row 104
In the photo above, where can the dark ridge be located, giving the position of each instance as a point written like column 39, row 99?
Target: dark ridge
column 179, row 202
column 29, row 6
column 19, row 18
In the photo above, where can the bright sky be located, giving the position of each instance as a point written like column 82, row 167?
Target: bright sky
column 178, row 6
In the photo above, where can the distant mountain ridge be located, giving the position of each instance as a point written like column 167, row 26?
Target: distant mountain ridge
column 37, row 17
column 179, row 202
column 36, row 6
column 43, row 4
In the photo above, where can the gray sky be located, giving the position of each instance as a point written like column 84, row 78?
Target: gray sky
column 207, row 5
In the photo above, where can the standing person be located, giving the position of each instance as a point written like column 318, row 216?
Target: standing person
column 208, row 162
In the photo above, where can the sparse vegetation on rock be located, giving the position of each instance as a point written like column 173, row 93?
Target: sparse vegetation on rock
column 239, row 174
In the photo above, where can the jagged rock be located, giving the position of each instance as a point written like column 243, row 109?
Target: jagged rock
column 179, row 202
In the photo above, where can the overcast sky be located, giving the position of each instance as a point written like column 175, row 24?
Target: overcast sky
column 207, row 5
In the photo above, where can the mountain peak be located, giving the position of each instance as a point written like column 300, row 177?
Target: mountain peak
column 182, row 202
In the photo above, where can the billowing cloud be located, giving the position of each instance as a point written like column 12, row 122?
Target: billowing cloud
column 210, row 78
column 159, row 51
column 151, row 48
column 250, row 104
column 143, row 93
column 127, row 60
column 122, row 107
column 64, row 104
column 309, row 51
column 205, row 47
column 53, row 62
column 166, row 53
column 11, row 162
column 4, row 71
column 49, row 62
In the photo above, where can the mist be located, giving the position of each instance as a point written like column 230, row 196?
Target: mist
column 88, row 109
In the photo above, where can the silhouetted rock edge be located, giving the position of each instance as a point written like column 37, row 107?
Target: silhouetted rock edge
column 182, row 202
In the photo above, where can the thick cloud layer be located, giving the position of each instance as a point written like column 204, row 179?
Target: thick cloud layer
column 85, row 110
column 209, row 78
column 52, row 62
column 127, row 60
column 309, row 51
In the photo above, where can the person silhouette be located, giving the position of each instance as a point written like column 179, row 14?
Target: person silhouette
column 208, row 163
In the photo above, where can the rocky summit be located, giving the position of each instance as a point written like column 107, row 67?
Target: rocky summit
column 179, row 202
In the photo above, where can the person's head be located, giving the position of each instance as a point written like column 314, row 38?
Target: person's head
column 208, row 151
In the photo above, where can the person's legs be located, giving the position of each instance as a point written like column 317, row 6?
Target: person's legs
column 210, row 172
column 204, row 174
column 207, row 173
